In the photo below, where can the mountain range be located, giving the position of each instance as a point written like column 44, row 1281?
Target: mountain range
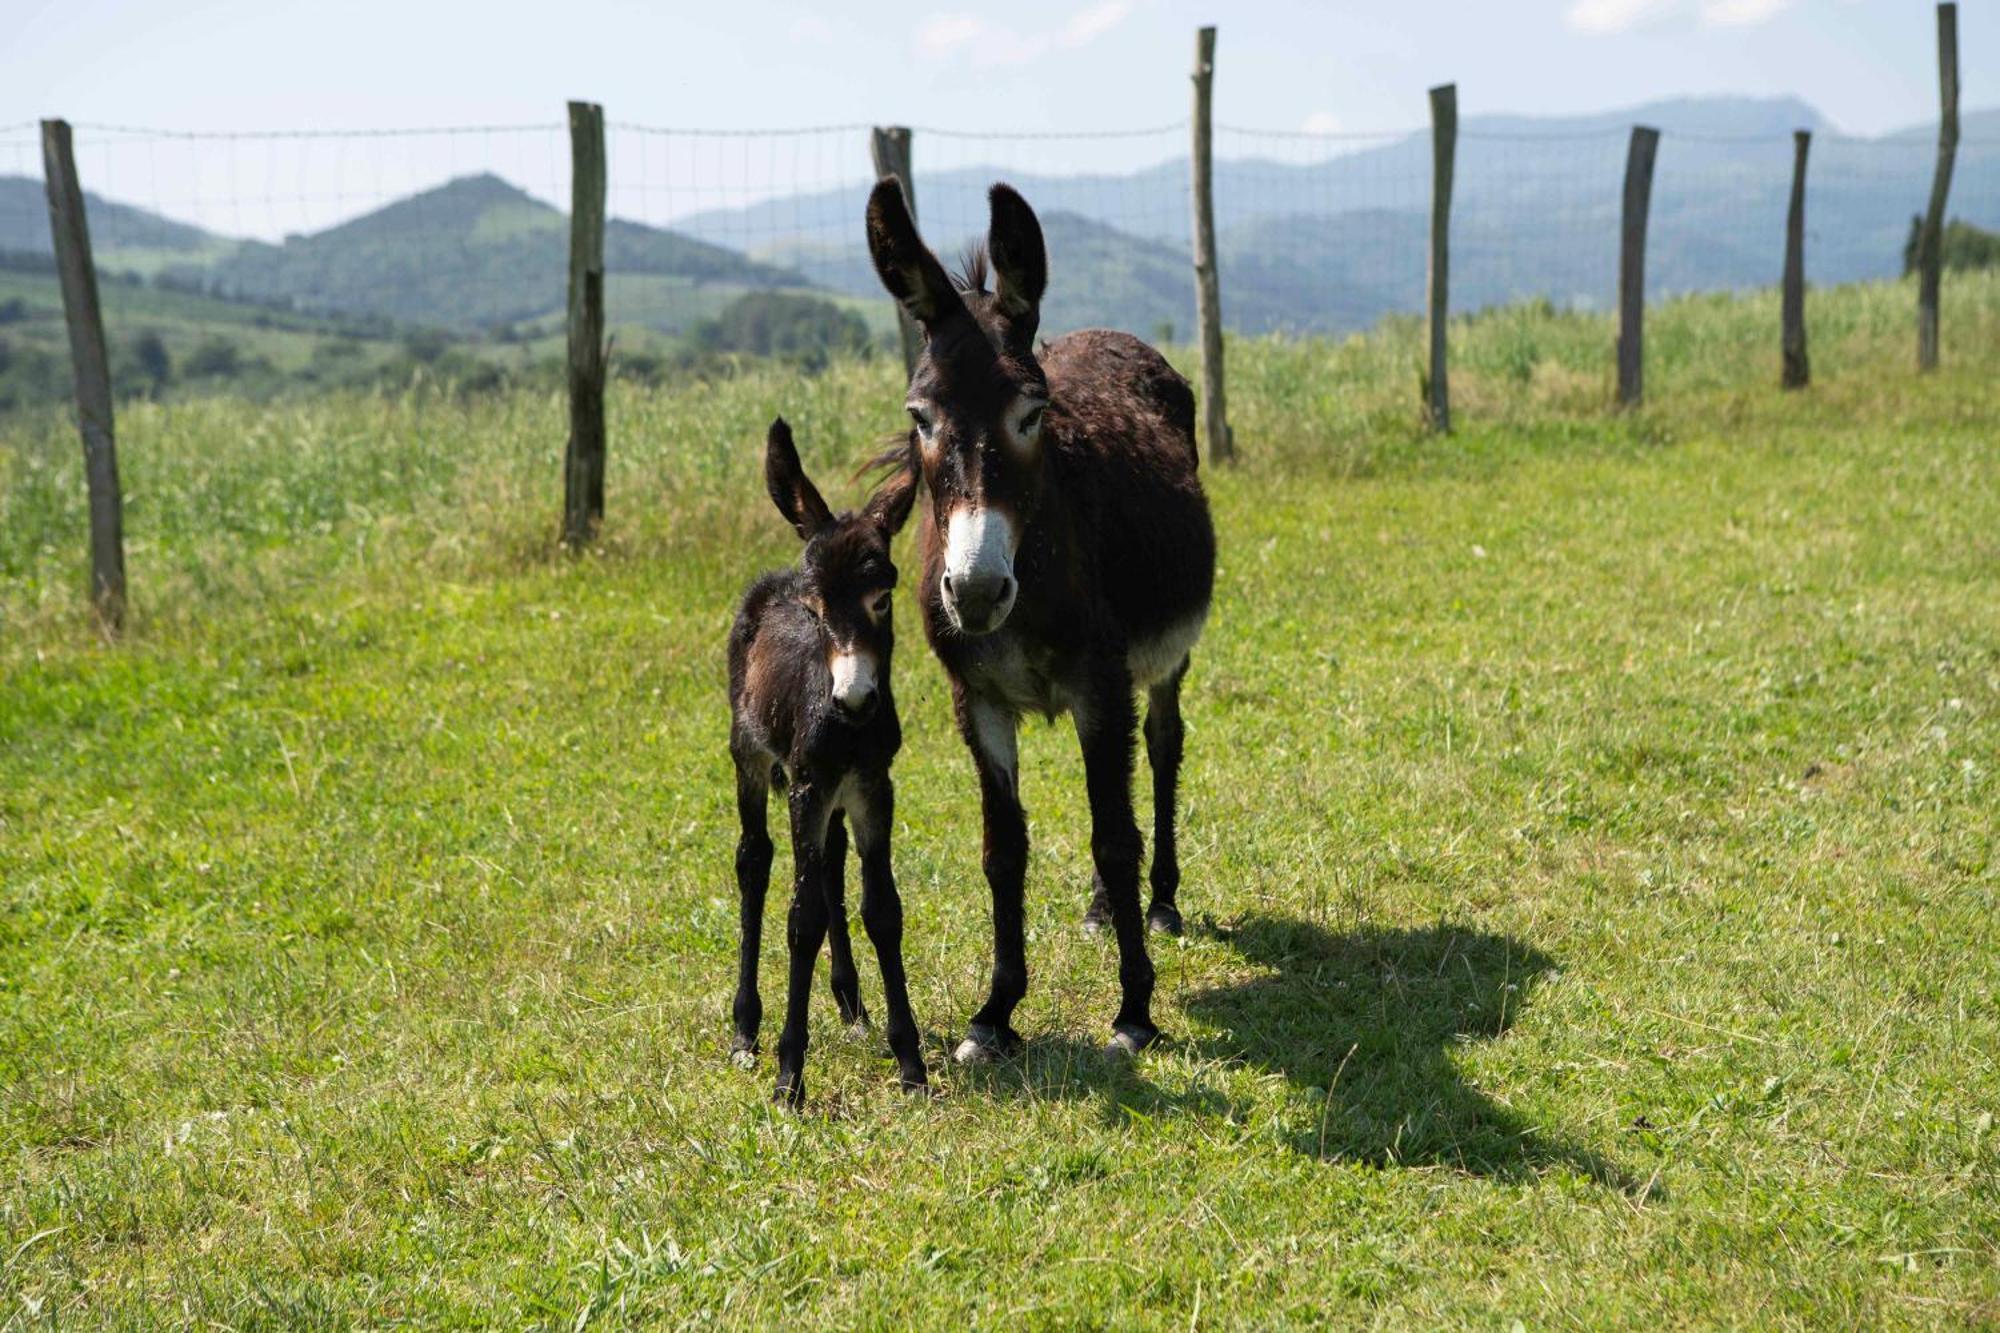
column 1324, row 245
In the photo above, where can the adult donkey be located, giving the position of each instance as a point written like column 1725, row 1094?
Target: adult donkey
column 1068, row 558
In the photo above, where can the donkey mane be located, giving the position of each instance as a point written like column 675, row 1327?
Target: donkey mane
column 973, row 266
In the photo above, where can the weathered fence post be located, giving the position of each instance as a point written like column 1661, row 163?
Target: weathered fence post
column 889, row 146
column 1632, row 264
column 91, row 369
column 1930, row 245
column 1207, row 282
column 1792, row 339
column 583, row 463
column 1444, row 142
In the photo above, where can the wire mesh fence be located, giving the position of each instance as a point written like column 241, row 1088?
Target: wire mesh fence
column 280, row 259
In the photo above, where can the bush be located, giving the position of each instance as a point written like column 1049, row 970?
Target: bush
column 793, row 327
column 213, row 358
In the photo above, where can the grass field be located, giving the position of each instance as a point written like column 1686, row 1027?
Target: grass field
column 1589, row 847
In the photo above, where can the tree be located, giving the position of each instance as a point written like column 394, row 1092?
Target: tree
column 154, row 363
column 789, row 325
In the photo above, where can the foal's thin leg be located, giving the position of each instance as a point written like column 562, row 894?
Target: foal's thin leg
column 805, row 931
column 991, row 733
column 882, row 917
column 1164, row 738
column 1105, row 730
column 846, row 983
column 753, row 878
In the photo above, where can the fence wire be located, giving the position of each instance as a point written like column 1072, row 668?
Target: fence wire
column 269, row 259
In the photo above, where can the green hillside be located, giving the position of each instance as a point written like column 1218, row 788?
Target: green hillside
column 472, row 254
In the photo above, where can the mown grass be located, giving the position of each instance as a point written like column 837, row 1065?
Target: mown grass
column 1589, row 842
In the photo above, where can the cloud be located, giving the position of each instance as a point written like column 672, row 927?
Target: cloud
column 1614, row 15
column 956, row 35
column 1090, row 24
column 1741, row 13
column 1608, row 16
column 1320, row 122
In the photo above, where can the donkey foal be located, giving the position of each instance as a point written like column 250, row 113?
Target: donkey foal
column 811, row 710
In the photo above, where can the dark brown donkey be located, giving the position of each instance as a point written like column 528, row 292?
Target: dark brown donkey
column 1068, row 558
column 811, row 710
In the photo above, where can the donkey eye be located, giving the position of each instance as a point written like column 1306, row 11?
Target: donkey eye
column 922, row 418
column 1031, row 422
column 880, row 606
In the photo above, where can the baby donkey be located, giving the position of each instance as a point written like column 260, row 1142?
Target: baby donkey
column 811, row 710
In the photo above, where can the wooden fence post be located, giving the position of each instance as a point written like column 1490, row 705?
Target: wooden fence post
column 1444, row 143
column 1632, row 264
column 889, row 147
column 583, row 463
column 1797, row 370
column 1207, row 282
column 1930, row 245
column 91, row 369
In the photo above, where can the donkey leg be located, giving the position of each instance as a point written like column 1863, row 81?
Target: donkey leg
column 1164, row 738
column 753, row 878
column 1104, row 728
column 846, row 982
column 805, row 931
column 882, row 917
column 991, row 732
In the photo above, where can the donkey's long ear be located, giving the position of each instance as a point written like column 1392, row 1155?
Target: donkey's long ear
column 889, row 506
column 1020, row 259
column 791, row 490
column 904, row 263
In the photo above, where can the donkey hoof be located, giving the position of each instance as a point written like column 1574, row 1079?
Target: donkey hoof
column 984, row 1044
column 918, row 1086
column 743, row 1053
column 858, row 1026
column 1127, row 1040
column 1164, row 919
column 1097, row 917
column 790, row 1094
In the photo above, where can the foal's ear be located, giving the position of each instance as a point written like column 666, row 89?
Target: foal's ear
column 904, row 263
column 791, row 490
column 1020, row 259
column 889, row 507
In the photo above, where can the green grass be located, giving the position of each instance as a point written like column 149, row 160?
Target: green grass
column 1589, row 839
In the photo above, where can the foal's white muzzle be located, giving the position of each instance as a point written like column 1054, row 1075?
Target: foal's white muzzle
column 978, row 585
column 854, row 685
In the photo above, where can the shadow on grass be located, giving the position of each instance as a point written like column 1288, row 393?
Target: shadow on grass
column 1364, row 1023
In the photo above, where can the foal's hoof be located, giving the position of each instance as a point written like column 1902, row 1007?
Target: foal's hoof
column 1097, row 917
column 1164, row 918
column 790, row 1094
column 859, row 1026
column 743, row 1053
column 1127, row 1040
column 984, row 1044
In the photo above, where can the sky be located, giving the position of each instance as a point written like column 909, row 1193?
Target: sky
column 1361, row 66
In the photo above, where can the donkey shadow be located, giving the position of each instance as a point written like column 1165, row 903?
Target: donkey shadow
column 1364, row 1023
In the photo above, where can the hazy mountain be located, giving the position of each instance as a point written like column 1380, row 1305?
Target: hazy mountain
column 471, row 253
column 1333, row 244
column 1328, row 244
column 24, row 224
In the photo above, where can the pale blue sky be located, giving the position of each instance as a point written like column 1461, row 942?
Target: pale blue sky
column 244, row 65
column 236, row 64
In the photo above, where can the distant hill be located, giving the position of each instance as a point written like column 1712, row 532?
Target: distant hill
column 1327, row 243
column 469, row 254
column 24, row 224
column 1336, row 243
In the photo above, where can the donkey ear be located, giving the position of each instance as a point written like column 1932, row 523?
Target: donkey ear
column 1020, row 259
column 904, row 263
column 889, row 507
column 791, row 490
